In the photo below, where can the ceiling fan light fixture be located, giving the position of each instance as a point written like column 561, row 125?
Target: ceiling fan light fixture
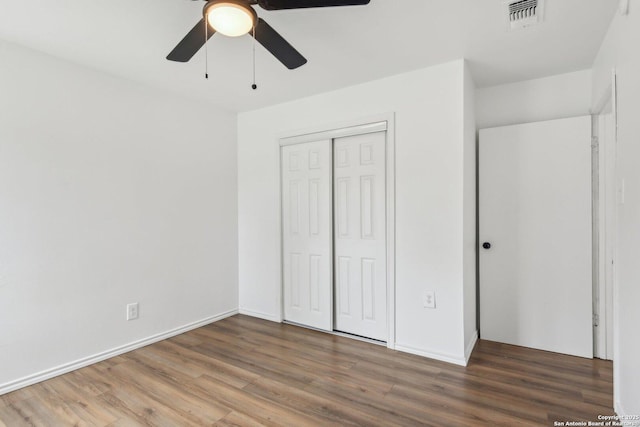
column 230, row 18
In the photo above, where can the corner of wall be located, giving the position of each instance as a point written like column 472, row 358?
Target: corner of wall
column 469, row 243
column 470, row 345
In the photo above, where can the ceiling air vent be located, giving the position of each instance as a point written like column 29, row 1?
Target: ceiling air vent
column 524, row 13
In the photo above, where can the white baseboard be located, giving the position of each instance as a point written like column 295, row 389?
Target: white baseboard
column 260, row 315
column 86, row 361
column 431, row 355
column 469, row 349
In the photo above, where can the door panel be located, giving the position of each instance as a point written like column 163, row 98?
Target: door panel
column 307, row 234
column 360, row 238
column 535, row 211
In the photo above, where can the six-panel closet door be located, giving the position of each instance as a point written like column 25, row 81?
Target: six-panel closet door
column 360, row 272
column 307, row 234
column 334, row 234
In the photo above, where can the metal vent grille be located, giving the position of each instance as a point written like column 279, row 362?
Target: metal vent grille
column 524, row 13
column 522, row 9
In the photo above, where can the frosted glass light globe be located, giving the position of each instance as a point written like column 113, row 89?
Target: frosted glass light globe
column 230, row 19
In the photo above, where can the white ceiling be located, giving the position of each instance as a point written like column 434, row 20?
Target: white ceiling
column 344, row 46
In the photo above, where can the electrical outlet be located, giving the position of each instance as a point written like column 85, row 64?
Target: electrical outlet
column 133, row 311
column 429, row 299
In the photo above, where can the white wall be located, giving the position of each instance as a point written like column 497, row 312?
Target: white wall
column 428, row 106
column 469, row 206
column 620, row 51
column 548, row 98
column 110, row 193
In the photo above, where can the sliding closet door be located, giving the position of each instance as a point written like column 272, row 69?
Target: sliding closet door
column 360, row 248
column 307, row 234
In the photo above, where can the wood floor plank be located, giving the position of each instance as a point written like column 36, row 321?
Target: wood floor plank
column 71, row 402
column 217, row 368
column 270, row 368
column 167, row 392
column 449, row 400
column 293, row 349
column 569, row 376
column 16, row 396
column 244, row 371
column 335, row 410
column 360, row 399
column 235, row 419
column 38, row 412
column 87, row 381
column 267, row 412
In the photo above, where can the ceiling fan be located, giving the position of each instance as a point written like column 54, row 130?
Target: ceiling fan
column 237, row 17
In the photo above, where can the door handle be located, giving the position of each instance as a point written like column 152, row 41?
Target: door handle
column 486, row 245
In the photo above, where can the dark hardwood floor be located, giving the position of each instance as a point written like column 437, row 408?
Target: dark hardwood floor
column 243, row 371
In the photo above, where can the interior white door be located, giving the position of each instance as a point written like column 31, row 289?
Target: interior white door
column 307, row 234
column 359, row 247
column 535, row 212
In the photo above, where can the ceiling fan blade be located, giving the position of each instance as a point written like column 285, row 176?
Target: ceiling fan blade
column 301, row 4
column 278, row 46
column 191, row 43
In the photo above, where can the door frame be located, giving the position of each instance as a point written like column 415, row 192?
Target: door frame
column 377, row 123
column 605, row 281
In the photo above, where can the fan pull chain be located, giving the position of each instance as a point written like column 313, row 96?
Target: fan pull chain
column 206, row 51
column 254, row 86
